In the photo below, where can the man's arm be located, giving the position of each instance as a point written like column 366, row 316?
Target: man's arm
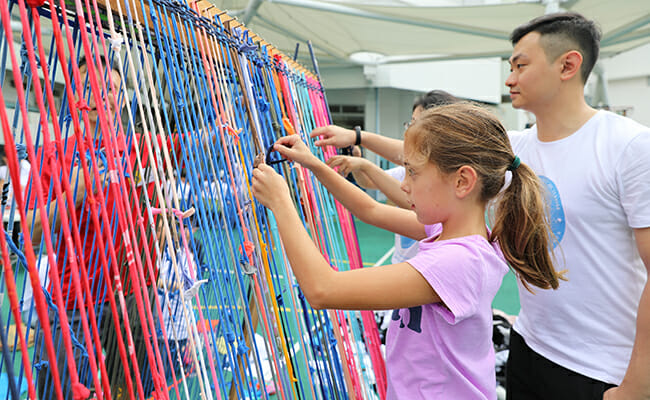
column 332, row 135
column 636, row 383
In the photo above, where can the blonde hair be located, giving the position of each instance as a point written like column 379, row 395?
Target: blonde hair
column 455, row 135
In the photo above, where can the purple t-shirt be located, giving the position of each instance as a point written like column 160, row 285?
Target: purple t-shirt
column 445, row 351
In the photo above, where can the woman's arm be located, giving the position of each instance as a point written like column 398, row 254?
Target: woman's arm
column 345, row 165
column 332, row 135
column 370, row 176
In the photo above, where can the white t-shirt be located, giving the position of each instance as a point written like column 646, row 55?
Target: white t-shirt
column 405, row 247
column 173, row 316
column 598, row 182
column 25, row 168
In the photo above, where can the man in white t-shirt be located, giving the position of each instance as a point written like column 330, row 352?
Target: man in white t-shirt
column 593, row 333
column 578, row 341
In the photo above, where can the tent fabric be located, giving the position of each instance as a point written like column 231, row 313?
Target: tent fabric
column 402, row 31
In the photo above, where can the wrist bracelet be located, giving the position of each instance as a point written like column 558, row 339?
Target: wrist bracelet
column 357, row 130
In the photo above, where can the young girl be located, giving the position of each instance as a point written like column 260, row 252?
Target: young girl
column 439, row 342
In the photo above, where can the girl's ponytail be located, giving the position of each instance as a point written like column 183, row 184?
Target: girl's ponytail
column 523, row 230
column 455, row 135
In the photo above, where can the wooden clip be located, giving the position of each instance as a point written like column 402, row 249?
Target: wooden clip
column 188, row 213
column 258, row 160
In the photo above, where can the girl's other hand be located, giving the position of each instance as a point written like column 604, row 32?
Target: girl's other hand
column 294, row 149
column 269, row 188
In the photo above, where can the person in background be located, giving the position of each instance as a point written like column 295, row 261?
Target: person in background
column 87, row 231
column 90, row 232
column 175, row 311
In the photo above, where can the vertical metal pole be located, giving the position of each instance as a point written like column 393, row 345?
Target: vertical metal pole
column 316, row 70
column 346, row 150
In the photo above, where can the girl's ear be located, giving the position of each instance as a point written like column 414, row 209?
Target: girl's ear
column 466, row 180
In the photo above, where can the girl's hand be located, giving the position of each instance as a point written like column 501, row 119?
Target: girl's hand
column 347, row 164
column 294, row 149
column 270, row 188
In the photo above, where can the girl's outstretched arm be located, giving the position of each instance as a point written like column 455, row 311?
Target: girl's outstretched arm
column 364, row 207
column 379, row 288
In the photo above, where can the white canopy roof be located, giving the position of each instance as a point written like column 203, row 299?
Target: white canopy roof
column 412, row 30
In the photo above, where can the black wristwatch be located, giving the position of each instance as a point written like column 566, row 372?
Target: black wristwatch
column 357, row 130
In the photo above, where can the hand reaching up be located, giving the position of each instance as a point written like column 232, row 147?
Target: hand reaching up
column 333, row 135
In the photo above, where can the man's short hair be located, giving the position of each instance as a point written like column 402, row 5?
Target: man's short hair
column 562, row 32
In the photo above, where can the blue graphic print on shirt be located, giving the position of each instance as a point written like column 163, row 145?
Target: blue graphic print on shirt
column 406, row 242
column 556, row 211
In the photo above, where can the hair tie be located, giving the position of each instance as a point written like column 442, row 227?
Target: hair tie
column 515, row 164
